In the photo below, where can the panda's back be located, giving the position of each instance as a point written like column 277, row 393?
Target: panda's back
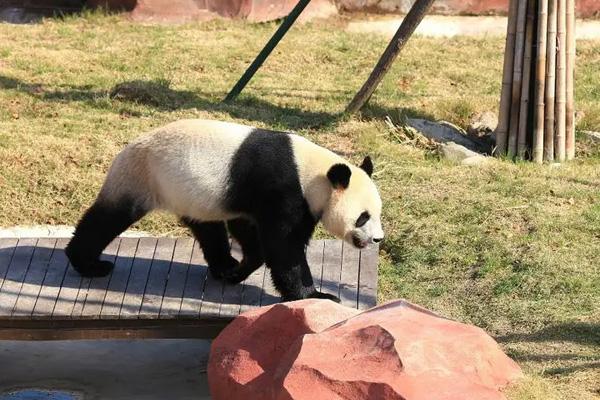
column 182, row 167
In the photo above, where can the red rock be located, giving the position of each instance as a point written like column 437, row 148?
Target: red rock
column 316, row 349
column 245, row 355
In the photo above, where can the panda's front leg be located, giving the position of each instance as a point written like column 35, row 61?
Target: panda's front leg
column 285, row 255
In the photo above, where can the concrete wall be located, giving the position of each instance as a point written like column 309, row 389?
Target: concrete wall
column 585, row 8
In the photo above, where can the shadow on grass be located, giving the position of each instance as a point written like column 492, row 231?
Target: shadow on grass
column 582, row 333
column 159, row 95
column 577, row 332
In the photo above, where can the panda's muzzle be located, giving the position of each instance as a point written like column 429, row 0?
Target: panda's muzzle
column 359, row 243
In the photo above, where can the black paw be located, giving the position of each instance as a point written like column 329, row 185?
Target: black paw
column 243, row 271
column 95, row 269
column 221, row 270
column 321, row 295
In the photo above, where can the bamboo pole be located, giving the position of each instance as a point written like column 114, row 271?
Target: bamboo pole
column 571, row 55
column 540, row 83
column 507, row 80
column 517, row 78
column 550, row 82
column 405, row 31
column 526, row 84
column 561, row 84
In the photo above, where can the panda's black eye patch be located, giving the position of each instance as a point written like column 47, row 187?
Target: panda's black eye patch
column 362, row 219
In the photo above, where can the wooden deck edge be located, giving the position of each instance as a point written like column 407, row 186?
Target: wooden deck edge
column 69, row 329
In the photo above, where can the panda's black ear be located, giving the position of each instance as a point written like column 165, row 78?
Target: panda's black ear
column 339, row 176
column 367, row 165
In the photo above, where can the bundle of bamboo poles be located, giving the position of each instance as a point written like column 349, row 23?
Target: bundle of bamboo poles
column 536, row 119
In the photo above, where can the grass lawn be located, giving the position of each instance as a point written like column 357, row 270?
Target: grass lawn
column 513, row 248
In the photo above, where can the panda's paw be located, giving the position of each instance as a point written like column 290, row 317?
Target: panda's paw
column 95, row 269
column 243, row 271
column 221, row 271
column 326, row 296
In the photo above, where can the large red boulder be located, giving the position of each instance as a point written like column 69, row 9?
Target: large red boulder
column 316, row 349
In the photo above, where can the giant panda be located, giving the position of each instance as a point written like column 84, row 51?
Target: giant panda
column 268, row 189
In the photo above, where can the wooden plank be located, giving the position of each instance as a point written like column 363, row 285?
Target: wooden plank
column 367, row 278
column 111, row 305
column 17, row 270
column 232, row 294
column 7, row 249
column 252, row 290
column 85, row 286
column 349, row 275
column 174, row 291
column 132, row 301
column 212, row 298
column 50, row 288
column 36, row 273
column 157, row 280
column 96, row 293
column 194, row 285
column 68, row 294
column 332, row 267
column 269, row 294
column 314, row 256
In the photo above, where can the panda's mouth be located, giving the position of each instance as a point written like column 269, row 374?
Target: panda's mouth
column 357, row 242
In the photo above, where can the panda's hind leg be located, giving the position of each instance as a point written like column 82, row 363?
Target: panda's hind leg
column 212, row 237
column 246, row 234
column 100, row 224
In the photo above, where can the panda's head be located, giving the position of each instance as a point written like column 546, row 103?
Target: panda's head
column 353, row 211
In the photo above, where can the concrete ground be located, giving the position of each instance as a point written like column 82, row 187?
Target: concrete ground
column 448, row 26
column 107, row 370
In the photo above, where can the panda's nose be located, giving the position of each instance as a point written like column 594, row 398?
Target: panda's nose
column 377, row 240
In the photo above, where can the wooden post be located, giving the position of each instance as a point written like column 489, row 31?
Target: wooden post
column 266, row 51
column 517, row 78
column 561, row 84
column 540, row 83
column 507, row 77
column 571, row 56
column 407, row 28
column 549, row 127
column 526, row 85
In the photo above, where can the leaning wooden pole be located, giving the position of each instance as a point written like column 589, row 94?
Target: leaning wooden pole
column 540, row 83
column 561, row 84
column 526, row 81
column 266, row 51
column 550, row 106
column 517, row 78
column 407, row 28
column 570, row 80
column 507, row 80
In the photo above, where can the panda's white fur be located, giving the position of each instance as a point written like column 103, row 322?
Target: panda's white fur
column 167, row 168
column 268, row 188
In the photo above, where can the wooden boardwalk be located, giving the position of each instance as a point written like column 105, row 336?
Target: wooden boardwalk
column 159, row 288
